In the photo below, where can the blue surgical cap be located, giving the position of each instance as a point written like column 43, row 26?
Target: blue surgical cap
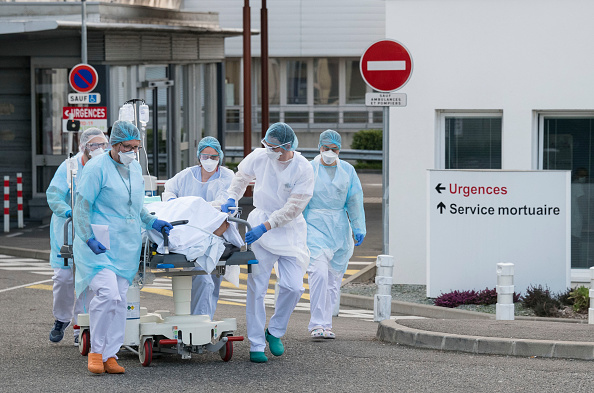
column 281, row 134
column 210, row 141
column 329, row 137
column 122, row 131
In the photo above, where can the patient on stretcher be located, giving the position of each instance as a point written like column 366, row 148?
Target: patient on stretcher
column 202, row 240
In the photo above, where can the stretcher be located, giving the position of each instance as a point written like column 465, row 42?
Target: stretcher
column 182, row 333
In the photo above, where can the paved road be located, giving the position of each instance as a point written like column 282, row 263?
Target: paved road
column 354, row 362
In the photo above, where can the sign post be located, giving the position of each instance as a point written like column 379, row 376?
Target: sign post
column 386, row 66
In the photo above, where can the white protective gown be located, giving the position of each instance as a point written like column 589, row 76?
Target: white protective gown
column 281, row 192
column 205, row 288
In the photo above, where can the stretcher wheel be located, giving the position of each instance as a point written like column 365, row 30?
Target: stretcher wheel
column 84, row 344
column 145, row 352
column 227, row 351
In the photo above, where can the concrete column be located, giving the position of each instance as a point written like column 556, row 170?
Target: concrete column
column 505, row 292
column 382, row 301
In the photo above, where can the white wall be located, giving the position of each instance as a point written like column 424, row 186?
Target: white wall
column 302, row 27
column 509, row 55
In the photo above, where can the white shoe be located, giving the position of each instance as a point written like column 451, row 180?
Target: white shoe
column 329, row 334
column 317, row 333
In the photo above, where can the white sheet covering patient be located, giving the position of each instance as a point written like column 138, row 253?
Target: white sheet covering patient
column 195, row 239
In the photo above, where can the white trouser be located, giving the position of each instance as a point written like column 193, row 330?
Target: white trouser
column 107, row 313
column 64, row 298
column 324, row 287
column 290, row 282
column 205, row 294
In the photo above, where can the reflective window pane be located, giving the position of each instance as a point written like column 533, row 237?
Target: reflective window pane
column 232, row 81
column 51, row 93
column 296, row 82
column 569, row 145
column 473, row 143
column 325, row 81
column 273, row 82
column 355, row 86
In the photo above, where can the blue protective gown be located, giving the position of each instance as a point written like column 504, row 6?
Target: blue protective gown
column 58, row 199
column 334, row 213
column 106, row 197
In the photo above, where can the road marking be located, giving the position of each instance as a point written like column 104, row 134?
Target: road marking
column 14, row 234
column 45, row 287
column 24, row 285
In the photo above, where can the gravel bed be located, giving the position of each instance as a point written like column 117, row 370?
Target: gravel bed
column 418, row 294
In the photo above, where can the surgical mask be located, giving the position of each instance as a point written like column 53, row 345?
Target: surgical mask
column 273, row 155
column 96, row 152
column 329, row 157
column 209, row 165
column 127, row 158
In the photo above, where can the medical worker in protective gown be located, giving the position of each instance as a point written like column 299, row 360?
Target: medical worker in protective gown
column 110, row 193
column 284, row 186
column 209, row 181
column 334, row 214
column 92, row 143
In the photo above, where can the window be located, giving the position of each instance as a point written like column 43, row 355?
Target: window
column 273, row 81
column 51, row 92
column 325, row 82
column 232, row 82
column 296, row 82
column 472, row 141
column 568, row 143
column 354, row 84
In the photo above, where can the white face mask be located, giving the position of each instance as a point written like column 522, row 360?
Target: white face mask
column 96, row 152
column 127, row 158
column 273, row 155
column 209, row 165
column 329, row 157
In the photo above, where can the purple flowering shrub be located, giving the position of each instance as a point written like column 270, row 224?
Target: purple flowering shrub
column 457, row 298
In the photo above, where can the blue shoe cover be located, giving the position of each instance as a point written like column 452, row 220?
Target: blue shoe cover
column 258, row 357
column 275, row 344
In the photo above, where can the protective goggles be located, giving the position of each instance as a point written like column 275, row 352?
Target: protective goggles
column 270, row 146
column 204, row 156
column 95, row 146
column 327, row 148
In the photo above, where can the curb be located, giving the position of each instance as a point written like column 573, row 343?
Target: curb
column 391, row 331
column 25, row 253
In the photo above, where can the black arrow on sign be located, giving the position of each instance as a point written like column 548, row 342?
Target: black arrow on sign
column 439, row 188
column 441, row 206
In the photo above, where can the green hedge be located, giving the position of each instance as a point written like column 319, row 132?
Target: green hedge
column 367, row 140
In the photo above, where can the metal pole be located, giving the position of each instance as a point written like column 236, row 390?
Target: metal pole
column 386, row 180
column 264, row 61
column 247, row 85
column 83, row 35
column 155, row 132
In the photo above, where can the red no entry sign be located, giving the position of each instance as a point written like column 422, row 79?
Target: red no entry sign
column 83, row 78
column 386, row 65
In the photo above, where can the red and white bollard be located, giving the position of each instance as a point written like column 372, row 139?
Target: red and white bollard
column 6, row 204
column 20, row 200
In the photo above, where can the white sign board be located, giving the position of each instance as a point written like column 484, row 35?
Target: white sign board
column 477, row 219
column 80, row 98
column 385, row 99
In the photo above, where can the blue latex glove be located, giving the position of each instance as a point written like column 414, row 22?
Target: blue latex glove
column 158, row 225
column 255, row 234
column 225, row 206
column 96, row 246
column 359, row 238
column 69, row 214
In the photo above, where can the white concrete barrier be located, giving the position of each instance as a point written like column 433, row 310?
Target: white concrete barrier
column 382, row 301
column 504, row 309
